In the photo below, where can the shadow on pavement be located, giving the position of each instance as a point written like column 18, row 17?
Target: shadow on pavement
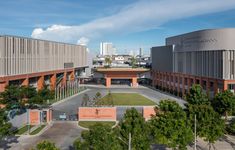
column 158, row 147
column 226, row 139
column 5, row 143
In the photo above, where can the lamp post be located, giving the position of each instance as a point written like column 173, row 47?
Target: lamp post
column 195, row 132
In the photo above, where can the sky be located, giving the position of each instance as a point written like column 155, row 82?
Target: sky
column 128, row 24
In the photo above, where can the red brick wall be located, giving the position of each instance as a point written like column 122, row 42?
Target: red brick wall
column 148, row 112
column 97, row 114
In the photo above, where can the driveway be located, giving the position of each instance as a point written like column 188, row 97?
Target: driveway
column 62, row 133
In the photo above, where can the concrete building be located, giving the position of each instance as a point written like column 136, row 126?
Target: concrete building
column 107, row 49
column 27, row 61
column 203, row 57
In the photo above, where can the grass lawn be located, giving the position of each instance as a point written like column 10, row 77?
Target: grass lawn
column 23, row 129
column 87, row 124
column 36, row 131
column 133, row 99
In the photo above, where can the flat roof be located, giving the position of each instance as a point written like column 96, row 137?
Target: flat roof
column 122, row 69
column 30, row 38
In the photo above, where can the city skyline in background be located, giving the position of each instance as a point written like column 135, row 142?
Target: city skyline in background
column 128, row 24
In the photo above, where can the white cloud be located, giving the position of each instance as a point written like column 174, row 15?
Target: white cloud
column 140, row 16
column 83, row 41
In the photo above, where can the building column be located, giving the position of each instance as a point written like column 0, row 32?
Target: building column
column 134, row 82
column 189, row 83
column 215, row 87
column 208, row 87
column 3, row 85
column 40, row 82
column 178, row 84
column 72, row 76
column 53, row 82
column 194, row 80
column 108, row 82
column 25, row 82
column 183, row 86
column 64, row 79
column 153, row 78
column 173, row 88
column 225, row 85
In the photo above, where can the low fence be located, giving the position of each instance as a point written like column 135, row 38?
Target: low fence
column 112, row 113
column 97, row 113
column 37, row 116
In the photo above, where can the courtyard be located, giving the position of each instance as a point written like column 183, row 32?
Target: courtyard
column 125, row 99
column 149, row 96
column 69, row 106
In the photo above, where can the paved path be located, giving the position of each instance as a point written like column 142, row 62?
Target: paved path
column 61, row 133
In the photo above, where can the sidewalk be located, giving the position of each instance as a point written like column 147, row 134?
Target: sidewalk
column 68, row 98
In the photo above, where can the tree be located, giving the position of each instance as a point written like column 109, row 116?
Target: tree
column 5, row 126
column 46, row 94
column 97, row 138
column 210, row 126
column 79, row 145
column 108, row 61
column 11, row 97
column 110, row 98
column 171, row 126
column 196, row 96
column 134, row 123
column 224, row 102
column 46, row 145
column 133, row 62
column 97, row 98
column 27, row 92
column 85, row 100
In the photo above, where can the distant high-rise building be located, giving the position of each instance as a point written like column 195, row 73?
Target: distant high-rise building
column 107, row 49
column 141, row 52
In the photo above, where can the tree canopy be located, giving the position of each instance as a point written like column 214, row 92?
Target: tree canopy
column 224, row 102
column 46, row 145
column 196, row 96
column 17, row 96
column 171, row 126
column 97, row 138
column 210, row 126
column 5, row 126
column 108, row 61
column 134, row 123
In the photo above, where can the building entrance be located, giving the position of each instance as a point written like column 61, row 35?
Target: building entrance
column 121, row 82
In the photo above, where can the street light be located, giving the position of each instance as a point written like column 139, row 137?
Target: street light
column 195, row 133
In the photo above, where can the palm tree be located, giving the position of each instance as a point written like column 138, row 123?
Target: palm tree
column 133, row 62
column 108, row 61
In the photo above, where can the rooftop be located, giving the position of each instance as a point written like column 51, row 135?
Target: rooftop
column 122, row 69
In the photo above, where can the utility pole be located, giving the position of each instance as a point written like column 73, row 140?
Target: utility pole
column 28, row 120
column 195, row 132
column 129, row 144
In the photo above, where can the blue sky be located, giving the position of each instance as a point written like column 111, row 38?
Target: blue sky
column 129, row 24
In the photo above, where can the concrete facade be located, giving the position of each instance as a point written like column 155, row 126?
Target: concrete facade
column 24, row 59
column 203, row 57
